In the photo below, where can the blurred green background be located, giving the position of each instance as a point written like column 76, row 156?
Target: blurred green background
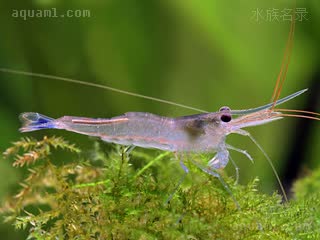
column 205, row 54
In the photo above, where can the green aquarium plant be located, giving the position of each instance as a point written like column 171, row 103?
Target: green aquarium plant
column 121, row 194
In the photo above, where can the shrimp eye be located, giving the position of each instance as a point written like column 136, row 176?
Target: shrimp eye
column 225, row 118
column 224, row 109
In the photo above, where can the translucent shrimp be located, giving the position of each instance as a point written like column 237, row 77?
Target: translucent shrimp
column 200, row 133
column 195, row 133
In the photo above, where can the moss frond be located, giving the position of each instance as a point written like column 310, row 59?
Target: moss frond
column 125, row 198
column 34, row 150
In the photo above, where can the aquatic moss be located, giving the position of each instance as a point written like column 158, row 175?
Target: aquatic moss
column 120, row 194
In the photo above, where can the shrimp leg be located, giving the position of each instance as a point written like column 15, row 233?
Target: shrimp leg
column 245, row 133
column 186, row 171
column 236, row 168
column 244, row 152
column 214, row 173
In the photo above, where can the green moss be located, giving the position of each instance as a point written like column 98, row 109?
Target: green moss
column 308, row 186
column 115, row 195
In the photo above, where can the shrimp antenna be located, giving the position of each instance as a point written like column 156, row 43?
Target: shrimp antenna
column 313, row 115
column 96, row 85
column 285, row 62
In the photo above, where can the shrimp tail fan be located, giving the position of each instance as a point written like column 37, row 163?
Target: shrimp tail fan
column 32, row 121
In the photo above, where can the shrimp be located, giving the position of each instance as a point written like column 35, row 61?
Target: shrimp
column 195, row 133
column 200, row 133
